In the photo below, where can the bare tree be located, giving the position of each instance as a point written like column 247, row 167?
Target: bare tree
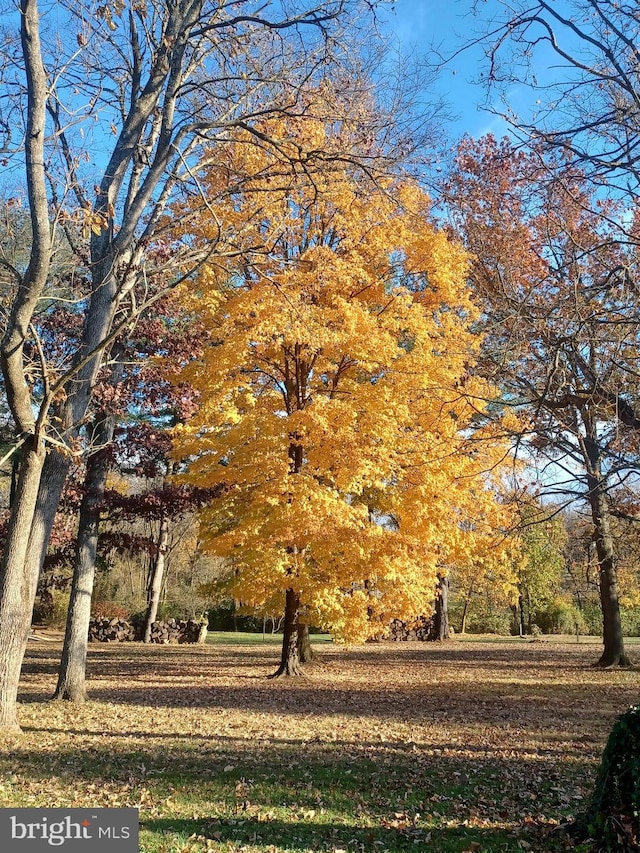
column 579, row 61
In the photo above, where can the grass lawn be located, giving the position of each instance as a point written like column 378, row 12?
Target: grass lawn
column 451, row 748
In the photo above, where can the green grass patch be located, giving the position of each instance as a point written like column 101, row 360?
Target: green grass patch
column 465, row 747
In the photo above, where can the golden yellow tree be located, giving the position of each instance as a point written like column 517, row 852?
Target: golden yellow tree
column 336, row 404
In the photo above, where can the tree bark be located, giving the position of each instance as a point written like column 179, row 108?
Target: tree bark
column 156, row 575
column 441, row 609
column 463, row 618
column 73, row 665
column 518, row 616
column 613, row 653
column 157, row 569
column 305, row 649
column 290, row 658
column 18, row 582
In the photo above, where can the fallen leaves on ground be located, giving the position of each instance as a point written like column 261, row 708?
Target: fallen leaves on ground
column 448, row 747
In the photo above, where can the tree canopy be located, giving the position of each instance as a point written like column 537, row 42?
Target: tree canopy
column 336, row 406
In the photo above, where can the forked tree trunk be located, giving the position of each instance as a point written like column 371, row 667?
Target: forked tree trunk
column 156, row 576
column 18, row 585
column 290, row 658
column 305, row 649
column 73, row 664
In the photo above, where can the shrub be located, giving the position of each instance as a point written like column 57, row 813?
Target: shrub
column 612, row 816
column 53, row 614
column 489, row 623
column 630, row 621
column 561, row 616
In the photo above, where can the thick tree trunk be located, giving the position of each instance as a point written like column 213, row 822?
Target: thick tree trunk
column 156, row 575
column 290, row 659
column 18, row 582
column 73, row 664
column 305, row 649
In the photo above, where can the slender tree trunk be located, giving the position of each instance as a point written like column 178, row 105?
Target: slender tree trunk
column 290, row 658
column 440, row 626
column 156, row 575
column 73, row 664
column 613, row 653
column 54, row 475
column 442, row 607
column 463, row 618
column 157, row 569
column 305, row 649
column 18, row 581
column 18, row 584
column 521, row 615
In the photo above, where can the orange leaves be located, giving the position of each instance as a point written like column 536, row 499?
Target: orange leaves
column 335, row 397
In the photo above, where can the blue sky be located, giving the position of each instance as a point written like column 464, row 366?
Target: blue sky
column 419, row 26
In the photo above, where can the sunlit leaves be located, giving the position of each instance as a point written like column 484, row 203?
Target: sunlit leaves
column 336, row 404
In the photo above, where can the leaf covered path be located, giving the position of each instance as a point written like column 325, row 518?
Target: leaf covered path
column 456, row 747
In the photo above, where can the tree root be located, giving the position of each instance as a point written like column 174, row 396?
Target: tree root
column 288, row 672
column 607, row 662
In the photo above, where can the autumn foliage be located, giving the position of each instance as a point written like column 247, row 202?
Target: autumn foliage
column 336, row 405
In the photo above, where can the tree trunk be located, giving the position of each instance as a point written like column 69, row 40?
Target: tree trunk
column 36, row 499
column 521, row 614
column 290, row 659
column 73, row 664
column 305, row 649
column 613, row 653
column 54, row 475
column 441, row 609
column 15, row 473
column 463, row 618
column 18, row 582
column 156, row 575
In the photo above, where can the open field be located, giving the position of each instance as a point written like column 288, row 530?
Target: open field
column 464, row 746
